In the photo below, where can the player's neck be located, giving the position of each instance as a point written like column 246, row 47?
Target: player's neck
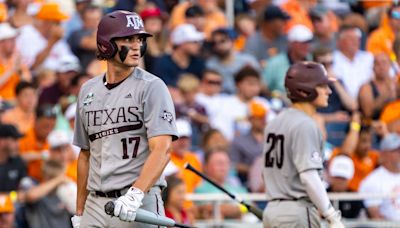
column 117, row 73
column 306, row 107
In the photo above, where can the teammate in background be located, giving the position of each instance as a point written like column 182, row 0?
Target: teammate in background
column 124, row 125
column 293, row 154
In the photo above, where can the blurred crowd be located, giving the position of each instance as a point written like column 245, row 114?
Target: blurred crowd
column 227, row 81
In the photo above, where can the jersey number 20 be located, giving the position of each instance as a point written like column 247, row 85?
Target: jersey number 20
column 276, row 143
column 125, row 142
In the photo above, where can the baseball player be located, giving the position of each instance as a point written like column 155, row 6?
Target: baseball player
column 125, row 122
column 293, row 154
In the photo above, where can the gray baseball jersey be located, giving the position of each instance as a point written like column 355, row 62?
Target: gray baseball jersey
column 115, row 125
column 293, row 144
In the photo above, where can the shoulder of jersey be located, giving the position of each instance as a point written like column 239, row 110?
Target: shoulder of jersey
column 91, row 82
column 141, row 74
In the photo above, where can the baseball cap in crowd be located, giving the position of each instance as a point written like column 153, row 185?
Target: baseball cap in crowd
column 256, row 109
column 51, row 12
column 9, row 131
column 58, row 138
column 6, row 31
column 274, row 12
column 186, row 33
column 152, row 12
column 69, row 63
column 390, row 142
column 299, row 33
column 6, row 205
column 194, row 11
column 341, row 166
column 183, row 127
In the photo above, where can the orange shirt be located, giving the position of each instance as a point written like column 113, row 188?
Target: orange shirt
column 381, row 40
column 213, row 20
column 7, row 90
column 3, row 12
column 72, row 169
column 190, row 179
column 376, row 3
column 30, row 144
column 391, row 113
column 362, row 167
column 22, row 120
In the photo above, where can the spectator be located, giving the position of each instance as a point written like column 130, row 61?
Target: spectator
column 385, row 180
column 184, row 58
column 12, row 167
column 216, row 167
column 69, row 67
column 20, row 15
column 214, row 18
column 246, row 147
column 341, row 171
column 270, row 39
column 157, row 45
column 378, row 92
column 12, row 70
column 7, row 216
column 232, row 117
column 83, row 41
column 174, row 198
column 41, row 198
column 391, row 114
column 22, row 115
column 195, row 15
column 212, row 139
column 324, row 34
column 46, row 34
column 226, row 60
column 75, row 22
column 357, row 145
column 382, row 39
column 189, row 109
column 298, row 11
column 245, row 26
column 350, row 64
column 34, row 146
column 299, row 38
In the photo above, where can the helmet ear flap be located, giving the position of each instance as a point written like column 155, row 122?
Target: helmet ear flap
column 143, row 48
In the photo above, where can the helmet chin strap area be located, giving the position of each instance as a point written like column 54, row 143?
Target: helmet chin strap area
column 123, row 52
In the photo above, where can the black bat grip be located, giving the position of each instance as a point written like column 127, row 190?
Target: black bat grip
column 109, row 208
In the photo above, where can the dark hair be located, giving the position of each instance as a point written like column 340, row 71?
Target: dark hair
column 172, row 182
column 246, row 72
column 46, row 110
column 320, row 51
column 24, row 85
column 210, row 153
column 194, row 11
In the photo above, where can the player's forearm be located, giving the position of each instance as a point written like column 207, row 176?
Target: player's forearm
column 155, row 163
column 83, row 173
column 315, row 190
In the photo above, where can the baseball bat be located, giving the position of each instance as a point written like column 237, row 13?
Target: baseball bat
column 255, row 210
column 148, row 217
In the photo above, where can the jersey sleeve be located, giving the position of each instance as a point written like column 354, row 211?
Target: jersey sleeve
column 159, row 111
column 306, row 148
column 81, row 138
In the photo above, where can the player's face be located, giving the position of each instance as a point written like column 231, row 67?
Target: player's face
column 323, row 92
column 132, row 57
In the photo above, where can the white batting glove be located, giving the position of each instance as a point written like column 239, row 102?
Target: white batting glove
column 334, row 218
column 125, row 207
column 76, row 221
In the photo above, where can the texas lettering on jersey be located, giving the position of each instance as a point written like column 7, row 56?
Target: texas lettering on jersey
column 108, row 117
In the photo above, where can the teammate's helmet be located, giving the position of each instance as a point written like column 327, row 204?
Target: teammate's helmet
column 114, row 25
column 302, row 78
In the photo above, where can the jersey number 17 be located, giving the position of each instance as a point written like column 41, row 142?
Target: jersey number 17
column 276, row 143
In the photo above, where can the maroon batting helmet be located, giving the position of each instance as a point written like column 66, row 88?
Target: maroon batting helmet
column 115, row 25
column 302, row 78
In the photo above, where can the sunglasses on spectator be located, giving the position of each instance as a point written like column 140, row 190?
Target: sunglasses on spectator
column 213, row 82
column 395, row 14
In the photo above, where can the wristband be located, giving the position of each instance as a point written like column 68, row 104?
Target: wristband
column 355, row 126
column 243, row 209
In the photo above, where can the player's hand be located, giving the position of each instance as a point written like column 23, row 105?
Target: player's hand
column 127, row 205
column 76, row 221
column 334, row 218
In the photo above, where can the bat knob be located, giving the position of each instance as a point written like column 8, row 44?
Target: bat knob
column 109, row 208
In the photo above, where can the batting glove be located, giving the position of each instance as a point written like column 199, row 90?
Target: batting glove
column 76, row 221
column 334, row 218
column 126, row 206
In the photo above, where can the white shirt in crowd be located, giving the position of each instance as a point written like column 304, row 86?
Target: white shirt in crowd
column 353, row 73
column 30, row 43
column 385, row 182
